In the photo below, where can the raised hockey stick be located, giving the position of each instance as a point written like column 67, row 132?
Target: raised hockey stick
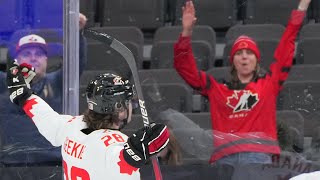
column 128, row 56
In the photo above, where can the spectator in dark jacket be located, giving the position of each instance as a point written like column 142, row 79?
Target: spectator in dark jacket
column 21, row 141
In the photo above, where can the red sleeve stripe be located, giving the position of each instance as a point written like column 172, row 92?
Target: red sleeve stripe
column 159, row 142
column 28, row 106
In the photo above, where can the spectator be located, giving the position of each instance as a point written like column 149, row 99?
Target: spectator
column 243, row 111
column 197, row 142
column 22, row 143
column 32, row 49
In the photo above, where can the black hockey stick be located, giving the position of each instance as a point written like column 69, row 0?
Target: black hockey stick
column 128, row 56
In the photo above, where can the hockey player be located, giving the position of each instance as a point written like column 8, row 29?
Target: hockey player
column 92, row 145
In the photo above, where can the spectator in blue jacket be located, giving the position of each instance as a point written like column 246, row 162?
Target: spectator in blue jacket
column 21, row 141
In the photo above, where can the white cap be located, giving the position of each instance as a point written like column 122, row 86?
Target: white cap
column 31, row 40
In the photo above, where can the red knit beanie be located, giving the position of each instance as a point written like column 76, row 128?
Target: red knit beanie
column 244, row 42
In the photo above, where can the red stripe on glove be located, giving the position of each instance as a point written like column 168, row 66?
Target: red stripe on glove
column 159, row 142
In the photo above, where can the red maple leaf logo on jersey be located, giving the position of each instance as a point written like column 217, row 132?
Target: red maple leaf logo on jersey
column 242, row 100
column 28, row 106
column 125, row 168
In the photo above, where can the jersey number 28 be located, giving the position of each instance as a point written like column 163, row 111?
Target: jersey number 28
column 75, row 173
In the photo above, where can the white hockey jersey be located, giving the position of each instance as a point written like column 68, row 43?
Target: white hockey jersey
column 307, row 176
column 95, row 156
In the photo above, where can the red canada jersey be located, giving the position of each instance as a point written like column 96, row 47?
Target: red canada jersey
column 243, row 118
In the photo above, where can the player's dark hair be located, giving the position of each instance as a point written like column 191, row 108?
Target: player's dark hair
column 97, row 121
column 173, row 156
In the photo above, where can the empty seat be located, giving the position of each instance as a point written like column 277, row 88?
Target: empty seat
column 316, row 10
column 310, row 31
column 145, row 14
column 267, row 37
column 148, row 76
column 131, row 36
column 199, row 33
column 171, row 11
column 195, row 143
column 309, row 40
column 220, row 73
column 308, row 51
column 159, row 97
column 241, row 9
column 203, row 43
column 269, row 11
column 295, row 124
column 292, row 119
column 304, row 72
column 202, row 119
column 215, row 13
column 256, row 31
column 89, row 75
column 122, row 33
column 102, row 57
column 312, row 152
column 46, row 14
column 162, row 55
column 88, row 8
column 304, row 97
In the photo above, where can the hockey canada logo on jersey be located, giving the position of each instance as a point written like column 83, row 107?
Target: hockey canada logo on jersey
column 242, row 100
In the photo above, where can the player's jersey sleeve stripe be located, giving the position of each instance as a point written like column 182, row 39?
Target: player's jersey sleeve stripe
column 49, row 123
